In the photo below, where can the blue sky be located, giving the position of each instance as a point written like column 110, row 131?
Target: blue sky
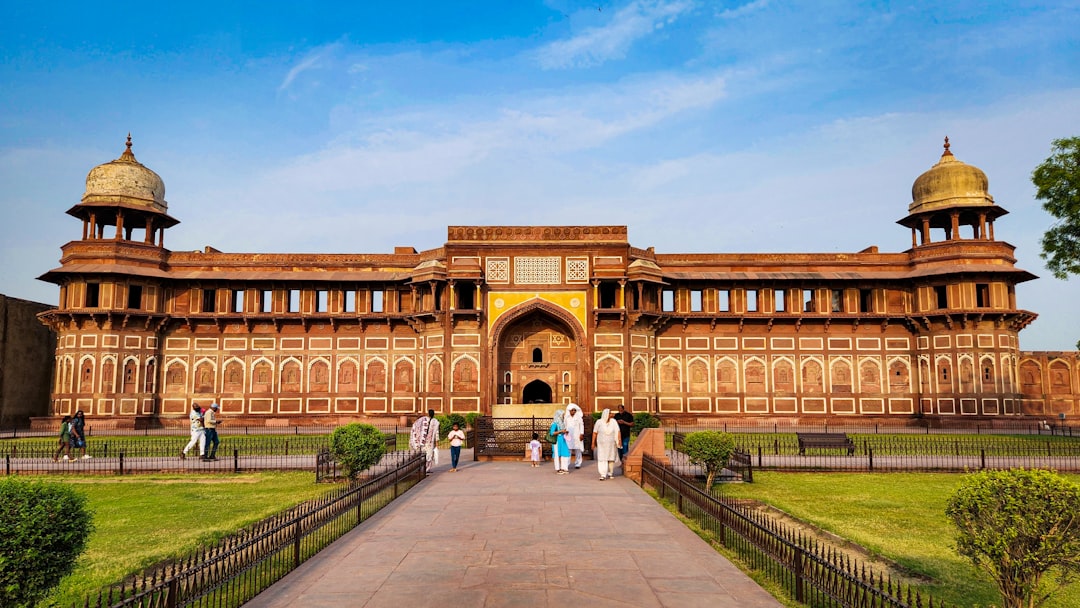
column 760, row 126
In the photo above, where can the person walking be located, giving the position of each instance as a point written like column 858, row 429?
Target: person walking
column 65, row 439
column 198, row 435
column 457, row 438
column 605, row 444
column 560, row 452
column 626, row 425
column 424, row 435
column 78, row 433
column 575, row 433
column 210, row 424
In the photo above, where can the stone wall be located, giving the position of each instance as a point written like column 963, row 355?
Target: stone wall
column 26, row 362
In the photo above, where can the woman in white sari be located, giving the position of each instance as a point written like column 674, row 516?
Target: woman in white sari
column 605, row 444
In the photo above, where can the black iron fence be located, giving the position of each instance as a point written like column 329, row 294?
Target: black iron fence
column 912, row 426
column 237, row 568
column 813, row 573
column 508, row 437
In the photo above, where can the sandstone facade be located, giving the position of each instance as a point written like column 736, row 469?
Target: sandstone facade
column 552, row 314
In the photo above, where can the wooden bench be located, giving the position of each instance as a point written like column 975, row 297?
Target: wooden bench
column 825, row 440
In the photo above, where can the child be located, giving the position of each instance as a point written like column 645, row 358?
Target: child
column 534, row 449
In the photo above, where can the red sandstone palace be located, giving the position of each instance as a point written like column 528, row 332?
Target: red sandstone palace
column 551, row 314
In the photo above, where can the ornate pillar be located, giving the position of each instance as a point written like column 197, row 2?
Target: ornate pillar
column 452, row 296
column 954, row 221
column 925, row 230
column 982, row 225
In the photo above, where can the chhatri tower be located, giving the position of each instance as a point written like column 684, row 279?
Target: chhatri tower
column 546, row 314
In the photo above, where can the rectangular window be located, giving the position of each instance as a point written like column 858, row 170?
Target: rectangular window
column 93, row 291
column 350, row 300
column 723, row 300
column 266, row 300
column 322, row 300
column 209, row 297
column 376, row 301
column 751, row 300
column 236, row 301
column 294, row 301
column 808, row 300
column 837, row 300
column 695, row 300
column 134, row 297
column 463, row 296
column 982, row 295
column 941, row 296
column 866, row 300
column 668, row 302
column 778, row 297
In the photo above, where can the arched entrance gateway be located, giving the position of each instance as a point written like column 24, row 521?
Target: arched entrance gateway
column 538, row 357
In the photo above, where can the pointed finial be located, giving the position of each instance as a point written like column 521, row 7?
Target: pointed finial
column 946, row 152
column 128, row 155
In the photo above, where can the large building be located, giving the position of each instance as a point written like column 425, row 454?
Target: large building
column 546, row 314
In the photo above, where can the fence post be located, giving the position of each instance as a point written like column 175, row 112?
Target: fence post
column 982, row 458
column 800, row 594
column 870, row 453
column 121, row 462
column 236, row 460
column 297, row 536
column 173, row 599
column 7, row 464
column 759, row 455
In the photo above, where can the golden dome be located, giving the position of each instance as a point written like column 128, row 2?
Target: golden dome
column 125, row 182
column 948, row 184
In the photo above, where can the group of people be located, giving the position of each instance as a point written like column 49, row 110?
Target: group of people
column 424, row 436
column 610, row 440
column 72, row 436
column 204, row 423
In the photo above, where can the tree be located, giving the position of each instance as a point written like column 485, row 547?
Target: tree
column 1057, row 183
column 357, row 447
column 1019, row 525
column 710, row 450
column 43, row 530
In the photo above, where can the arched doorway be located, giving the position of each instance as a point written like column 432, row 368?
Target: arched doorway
column 537, row 358
column 536, row 391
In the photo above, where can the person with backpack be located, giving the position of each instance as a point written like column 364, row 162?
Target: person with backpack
column 65, row 439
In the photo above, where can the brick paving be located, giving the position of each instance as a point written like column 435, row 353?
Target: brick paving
column 506, row 534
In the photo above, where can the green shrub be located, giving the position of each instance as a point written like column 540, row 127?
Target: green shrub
column 1018, row 526
column 645, row 420
column 596, row 416
column 710, row 450
column 447, row 422
column 44, row 528
column 472, row 417
column 357, row 447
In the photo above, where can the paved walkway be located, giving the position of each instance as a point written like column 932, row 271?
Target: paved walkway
column 506, row 534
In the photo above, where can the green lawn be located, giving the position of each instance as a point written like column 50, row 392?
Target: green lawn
column 141, row 520
column 900, row 516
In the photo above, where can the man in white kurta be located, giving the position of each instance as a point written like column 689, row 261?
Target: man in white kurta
column 575, row 433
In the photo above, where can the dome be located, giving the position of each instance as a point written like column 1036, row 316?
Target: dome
column 948, row 184
column 125, row 182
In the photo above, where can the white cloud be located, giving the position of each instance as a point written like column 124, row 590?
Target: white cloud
column 597, row 45
column 310, row 61
column 745, row 9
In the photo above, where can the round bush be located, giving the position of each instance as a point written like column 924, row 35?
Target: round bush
column 44, row 528
column 357, row 447
column 710, row 450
